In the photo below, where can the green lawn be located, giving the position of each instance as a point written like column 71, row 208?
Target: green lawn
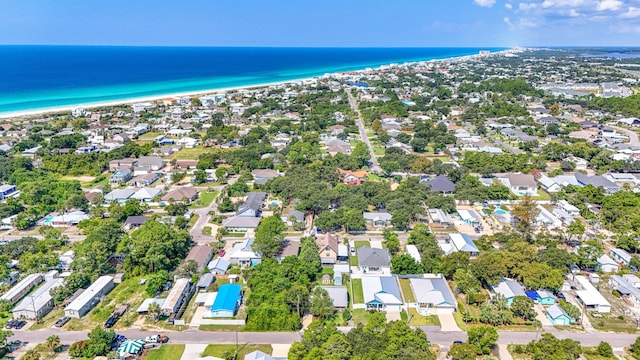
column 378, row 151
column 360, row 316
column 224, row 328
column 613, row 324
column 149, row 136
column 205, row 199
column 222, row 351
column 353, row 260
column 419, row 320
column 358, row 294
column 189, row 154
column 405, row 286
column 235, row 235
column 374, row 177
column 166, row 352
column 206, row 230
column 360, row 243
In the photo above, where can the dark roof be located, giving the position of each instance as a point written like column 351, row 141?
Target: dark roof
column 136, row 220
column 373, row 257
column 441, row 183
column 254, row 201
column 596, row 181
column 201, row 254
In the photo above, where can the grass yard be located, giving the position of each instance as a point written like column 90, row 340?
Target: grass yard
column 150, row 135
column 221, row 351
column 360, row 243
column 358, row 294
column 47, row 321
column 353, row 260
column 378, row 151
column 189, row 154
column 205, row 199
column 374, row 177
column 223, row 328
column 613, row 324
column 165, row 352
column 360, row 316
column 591, row 353
column 206, row 230
column 234, row 235
column 193, row 220
column 405, row 286
column 419, row 320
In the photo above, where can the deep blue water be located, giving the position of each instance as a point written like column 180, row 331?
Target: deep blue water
column 38, row 77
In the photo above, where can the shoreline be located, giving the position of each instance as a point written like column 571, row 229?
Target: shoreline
column 128, row 101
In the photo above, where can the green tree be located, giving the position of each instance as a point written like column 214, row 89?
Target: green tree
column 336, row 347
column 483, row 337
column 52, row 343
column 269, row 235
column 635, row 348
column 156, row 281
column 309, row 253
column 405, row 264
column 522, row 307
column 392, row 241
column 321, row 304
column 605, row 350
column 31, row 354
column 464, row 351
column 571, row 310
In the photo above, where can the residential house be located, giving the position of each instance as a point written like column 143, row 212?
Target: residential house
column 545, row 297
column 89, row 298
column 580, row 163
column 521, row 184
column 597, row 181
column 381, row 293
column 469, row 217
column 632, row 279
column 548, row 184
column 558, row 316
column 240, row 223
column 184, row 193
column 458, row 242
column 243, row 255
column 201, row 254
column 252, row 206
column 377, row 219
column 259, row 355
column 67, row 219
column 293, row 217
column 227, row 301
column 568, row 208
column 335, row 146
column 288, row 248
column 261, row 176
column 177, row 295
column 412, row 251
column 146, row 194
column 121, row 176
column 218, row 266
column 373, row 260
column 186, row 164
column 509, row 289
column 21, row 289
column 114, row 165
column 204, row 281
column 590, row 297
column 134, row 222
column 440, row 217
column 151, row 163
column 338, row 295
column 352, row 178
column 621, row 256
column 39, row 303
column 433, row 295
column 629, row 293
column 145, row 180
column 606, row 264
column 119, row 196
column 440, row 184
column 327, row 248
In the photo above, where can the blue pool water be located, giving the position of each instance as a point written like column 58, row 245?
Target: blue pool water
column 500, row 211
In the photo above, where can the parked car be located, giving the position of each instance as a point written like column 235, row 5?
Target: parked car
column 63, row 320
column 222, row 253
column 19, row 324
column 10, row 324
column 153, row 339
column 561, row 296
column 110, row 322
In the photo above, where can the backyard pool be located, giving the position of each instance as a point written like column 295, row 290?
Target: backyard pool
column 500, row 211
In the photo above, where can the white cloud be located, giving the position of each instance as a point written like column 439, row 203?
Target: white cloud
column 484, row 3
column 632, row 13
column 562, row 3
column 526, row 23
column 508, row 22
column 574, row 13
column 626, row 29
column 609, row 5
column 508, row 5
column 527, row 6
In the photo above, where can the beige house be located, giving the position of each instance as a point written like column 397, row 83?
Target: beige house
column 327, row 248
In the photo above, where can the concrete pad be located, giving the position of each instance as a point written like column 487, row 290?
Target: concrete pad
column 280, row 350
column 541, row 315
column 448, row 323
column 504, row 353
column 376, row 244
column 393, row 315
column 193, row 351
column 197, row 316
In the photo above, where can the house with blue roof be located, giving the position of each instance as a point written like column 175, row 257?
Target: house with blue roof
column 227, row 301
column 557, row 316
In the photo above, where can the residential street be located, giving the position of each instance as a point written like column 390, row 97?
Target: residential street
column 435, row 336
column 204, row 217
column 633, row 143
column 363, row 132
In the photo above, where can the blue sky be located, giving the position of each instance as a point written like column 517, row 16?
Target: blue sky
column 341, row 23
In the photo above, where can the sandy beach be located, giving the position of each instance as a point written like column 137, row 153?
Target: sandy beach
column 89, row 106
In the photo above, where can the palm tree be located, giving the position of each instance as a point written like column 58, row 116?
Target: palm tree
column 154, row 311
column 31, row 354
column 52, row 343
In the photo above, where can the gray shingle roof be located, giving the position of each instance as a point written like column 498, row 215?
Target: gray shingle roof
column 373, row 257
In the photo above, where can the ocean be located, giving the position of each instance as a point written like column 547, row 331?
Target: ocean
column 46, row 77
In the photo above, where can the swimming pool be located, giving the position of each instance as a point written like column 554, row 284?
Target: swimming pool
column 500, row 211
column 47, row 220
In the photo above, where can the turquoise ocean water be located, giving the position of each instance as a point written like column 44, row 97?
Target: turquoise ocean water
column 44, row 77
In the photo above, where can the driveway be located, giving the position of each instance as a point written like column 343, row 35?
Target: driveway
column 193, row 351
column 542, row 316
column 448, row 323
column 393, row 315
column 633, row 143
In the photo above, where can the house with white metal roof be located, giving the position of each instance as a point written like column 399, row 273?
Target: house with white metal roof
column 89, row 298
column 589, row 296
column 39, row 303
column 433, row 295
column 381, row 293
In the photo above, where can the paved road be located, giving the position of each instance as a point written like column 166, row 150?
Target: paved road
column 204, row 217
column 363, row 132
column 436, row 336
column 633, row 143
